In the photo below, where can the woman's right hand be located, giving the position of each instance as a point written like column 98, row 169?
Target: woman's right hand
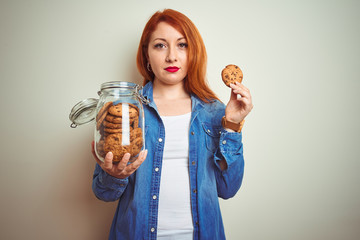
column 121, row 169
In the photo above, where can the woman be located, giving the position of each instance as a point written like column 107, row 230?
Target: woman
column 191, row 160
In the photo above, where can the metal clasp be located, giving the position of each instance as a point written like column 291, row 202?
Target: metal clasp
column 139, row 95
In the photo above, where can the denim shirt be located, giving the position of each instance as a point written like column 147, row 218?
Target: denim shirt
column 136, row 215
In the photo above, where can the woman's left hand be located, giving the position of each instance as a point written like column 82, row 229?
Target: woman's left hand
column 238, row 107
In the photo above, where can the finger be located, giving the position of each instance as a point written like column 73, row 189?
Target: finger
column 248, row 106
column 108, row 161
column 124, row 161
column 142, row 157
column 242, row 86
column 242, row 92
column 244, row 101
column 136, row 164
column 145, row 154
column 233, row 95
column 233, row 86
column 237, row 85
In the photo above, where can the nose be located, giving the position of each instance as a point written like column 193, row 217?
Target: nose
column 171, row 56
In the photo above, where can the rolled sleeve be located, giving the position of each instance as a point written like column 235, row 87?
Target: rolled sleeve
column 230, row 142
column 112, row 182
column 230, row 146
column 230, row 149
column 107, row 187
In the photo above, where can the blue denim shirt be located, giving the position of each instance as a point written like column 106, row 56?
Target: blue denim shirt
column 137, row 211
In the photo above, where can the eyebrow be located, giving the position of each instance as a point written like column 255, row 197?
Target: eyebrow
column 163, row 39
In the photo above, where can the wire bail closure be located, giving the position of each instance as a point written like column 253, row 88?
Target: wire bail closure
column 140, row 96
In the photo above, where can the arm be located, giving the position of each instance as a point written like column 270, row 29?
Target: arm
column 229, row 156
column 230, row 164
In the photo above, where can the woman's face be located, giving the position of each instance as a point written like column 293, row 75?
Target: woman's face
column 167, row 55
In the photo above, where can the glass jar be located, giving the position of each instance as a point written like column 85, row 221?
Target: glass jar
column 119, row 119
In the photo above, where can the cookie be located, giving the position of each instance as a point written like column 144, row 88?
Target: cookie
column 111, row 125
column 134, row 106
column 103, row 110
column 135, row 133
column 231, row 74
column 113, row 130
column 102, row 114
column 113, row 119
column 100, row 148
column 136, row 146
column 101, row 120
column 116, row 110
column 133, row 112
column 135, row 124
column 113, row 144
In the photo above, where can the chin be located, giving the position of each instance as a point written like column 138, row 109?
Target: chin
column 172, row 79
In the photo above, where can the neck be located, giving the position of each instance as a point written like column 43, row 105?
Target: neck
column 169, row 92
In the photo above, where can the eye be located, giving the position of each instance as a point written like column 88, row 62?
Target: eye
column 159, row 45
column 183, row 45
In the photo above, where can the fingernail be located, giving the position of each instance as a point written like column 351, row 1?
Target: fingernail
column 109, row 155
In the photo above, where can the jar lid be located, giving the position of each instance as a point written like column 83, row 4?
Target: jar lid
column 118, row 84
column 83, row 112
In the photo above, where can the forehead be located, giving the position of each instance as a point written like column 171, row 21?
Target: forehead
column 165, row 31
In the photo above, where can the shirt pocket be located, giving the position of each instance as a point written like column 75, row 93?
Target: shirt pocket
column 212, row 136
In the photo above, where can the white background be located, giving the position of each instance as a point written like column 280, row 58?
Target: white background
column 301, row 61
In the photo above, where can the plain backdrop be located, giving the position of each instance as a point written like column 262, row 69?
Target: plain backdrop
column 301, row 62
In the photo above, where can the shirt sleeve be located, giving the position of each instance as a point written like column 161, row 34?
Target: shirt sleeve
column 231, row 149
column 107, row 187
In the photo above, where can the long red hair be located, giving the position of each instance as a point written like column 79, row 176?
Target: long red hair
column 195, row 82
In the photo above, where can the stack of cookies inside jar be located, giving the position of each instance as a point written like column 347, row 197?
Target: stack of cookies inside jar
column 118, row 125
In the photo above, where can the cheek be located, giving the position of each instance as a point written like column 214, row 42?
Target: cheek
column 184, row 56
column 185, row 60
column 155, row 58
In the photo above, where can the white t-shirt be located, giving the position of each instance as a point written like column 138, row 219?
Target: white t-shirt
column 174, row 213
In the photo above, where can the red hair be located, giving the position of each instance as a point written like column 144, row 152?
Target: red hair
column 195, row 82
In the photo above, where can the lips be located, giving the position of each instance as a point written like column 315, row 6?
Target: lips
column 172, row 69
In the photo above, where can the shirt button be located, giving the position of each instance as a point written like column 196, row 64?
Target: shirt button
column 192, row 133
column 193, row 162
column 224, row 142
column 160, row 140
column 154, row 197
column 156, row 169
column 194, row 191
column 152, row 229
